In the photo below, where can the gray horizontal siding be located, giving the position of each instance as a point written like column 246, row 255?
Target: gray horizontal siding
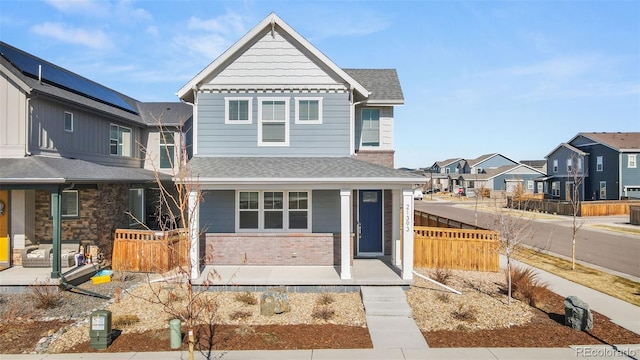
column 217, row 211
column 331, row 138
column 325, row 211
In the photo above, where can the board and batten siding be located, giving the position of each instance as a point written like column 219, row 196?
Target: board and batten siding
column 89, row 139
column 331, row 138
column 630, row 176
column 13, row 119
column 273, row 59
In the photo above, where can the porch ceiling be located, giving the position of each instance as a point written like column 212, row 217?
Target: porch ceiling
column 297, row 170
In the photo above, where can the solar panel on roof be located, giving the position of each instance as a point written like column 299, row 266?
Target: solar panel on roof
column 55, row 75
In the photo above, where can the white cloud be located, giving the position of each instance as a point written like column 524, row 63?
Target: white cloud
column 85, row 7
column 208, row 38
column 94, row 39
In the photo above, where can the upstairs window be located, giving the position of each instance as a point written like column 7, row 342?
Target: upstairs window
column 237, row 110
column 273, row 117
column 119, row 140
column 370, row 127
column 631, row 161
column 167, row 150
column 555, row 166
column 599, row 163
column 569, row 165
column 68, row 121
column 308, row 111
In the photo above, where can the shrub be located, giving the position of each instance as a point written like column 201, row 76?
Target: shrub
column 525, row 285
column 125, row 320
column 247, row 298
column 325, row 299
column 323, row 312
column 44, row 296
column 465, row 313
column 442, row 275
column 239, row 315
column 444, row 297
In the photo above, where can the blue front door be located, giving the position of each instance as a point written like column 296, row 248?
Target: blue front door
column 370, row 220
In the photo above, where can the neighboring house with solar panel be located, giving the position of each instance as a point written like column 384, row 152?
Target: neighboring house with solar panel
column 295, row 157
column 74, row 155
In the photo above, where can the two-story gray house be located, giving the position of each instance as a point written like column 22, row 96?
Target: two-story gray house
column 76, row 158
column 294, row 157
column 604, row 162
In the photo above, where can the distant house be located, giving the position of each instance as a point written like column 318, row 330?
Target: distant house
column 504, row 179
column 606, row 161
column 76, row 156
column 295, row 155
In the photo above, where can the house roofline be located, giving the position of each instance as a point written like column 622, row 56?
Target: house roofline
column 269, row 21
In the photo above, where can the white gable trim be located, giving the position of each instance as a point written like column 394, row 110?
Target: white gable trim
column 268, row 22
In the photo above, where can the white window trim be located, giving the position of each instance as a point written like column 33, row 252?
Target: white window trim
column 599, row 163
column 238, row 122
column 285, row 212
column 163, row 145
column 600, row 188
column 130, row 144
column 308, row 122
column 569, row 165
column 286, row 121
column 555, row 165
column 142, row 218
column 65, row 122
column 530, row 184
column 632, row 164
column 362, row 146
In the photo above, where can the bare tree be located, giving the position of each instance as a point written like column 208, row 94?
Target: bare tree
column 177, row 203
column 577, row 175
column 514, row 229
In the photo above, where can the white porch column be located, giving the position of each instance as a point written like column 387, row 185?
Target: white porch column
column 345, row 234
column 407, row 234
column 396, row 258
column 194, row 234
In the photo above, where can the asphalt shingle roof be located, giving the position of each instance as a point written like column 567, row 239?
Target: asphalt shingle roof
column 383, row 84
column 616, row 140
column 40, row 169
column 295, row 168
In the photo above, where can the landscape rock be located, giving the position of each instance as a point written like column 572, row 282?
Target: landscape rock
column 274, row 302
column 577, row 314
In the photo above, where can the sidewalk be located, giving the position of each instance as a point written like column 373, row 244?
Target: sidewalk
column 578, row 352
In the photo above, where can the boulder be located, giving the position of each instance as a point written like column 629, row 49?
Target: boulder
column 577, row 314
column 274, row 302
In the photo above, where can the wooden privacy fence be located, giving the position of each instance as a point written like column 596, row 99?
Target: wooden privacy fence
column 563, row 207
column 425, row 219
column 149, row 251
column 458, row 249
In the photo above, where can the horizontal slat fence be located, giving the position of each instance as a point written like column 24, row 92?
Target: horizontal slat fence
column 458, row 249
column 563, row 207
column 149, row 251
column 425, row 219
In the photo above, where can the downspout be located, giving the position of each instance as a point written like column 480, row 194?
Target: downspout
column 352, row 123
column 29, row 115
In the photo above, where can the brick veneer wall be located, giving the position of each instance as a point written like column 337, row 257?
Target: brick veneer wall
column 102, row 210
column 378, row 157
column 272, row 249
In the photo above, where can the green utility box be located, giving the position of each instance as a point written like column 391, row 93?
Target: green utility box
column 100, row 329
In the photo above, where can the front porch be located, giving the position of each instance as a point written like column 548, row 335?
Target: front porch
column 365, row 272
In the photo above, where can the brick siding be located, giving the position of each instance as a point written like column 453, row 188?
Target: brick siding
column 378, row 157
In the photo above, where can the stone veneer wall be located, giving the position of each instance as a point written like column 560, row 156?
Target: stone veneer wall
column 102, row 210
column 283, row 249
column 378, row 157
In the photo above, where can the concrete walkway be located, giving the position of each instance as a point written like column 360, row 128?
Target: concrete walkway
column 389, row 319
column 620, row 312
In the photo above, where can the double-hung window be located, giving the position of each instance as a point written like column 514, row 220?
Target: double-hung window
column 308, row 110
column 603, row 190
column 273, row 118
column 599, row 163
column 273, row 210
column 370, row 127
column 68, row 121
column 555, row 188
column 167, row 150
column 119, row 140
column 555, row 165
column 631, row 161
column 69, row 204
column 569, row 165
column 237, row 110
